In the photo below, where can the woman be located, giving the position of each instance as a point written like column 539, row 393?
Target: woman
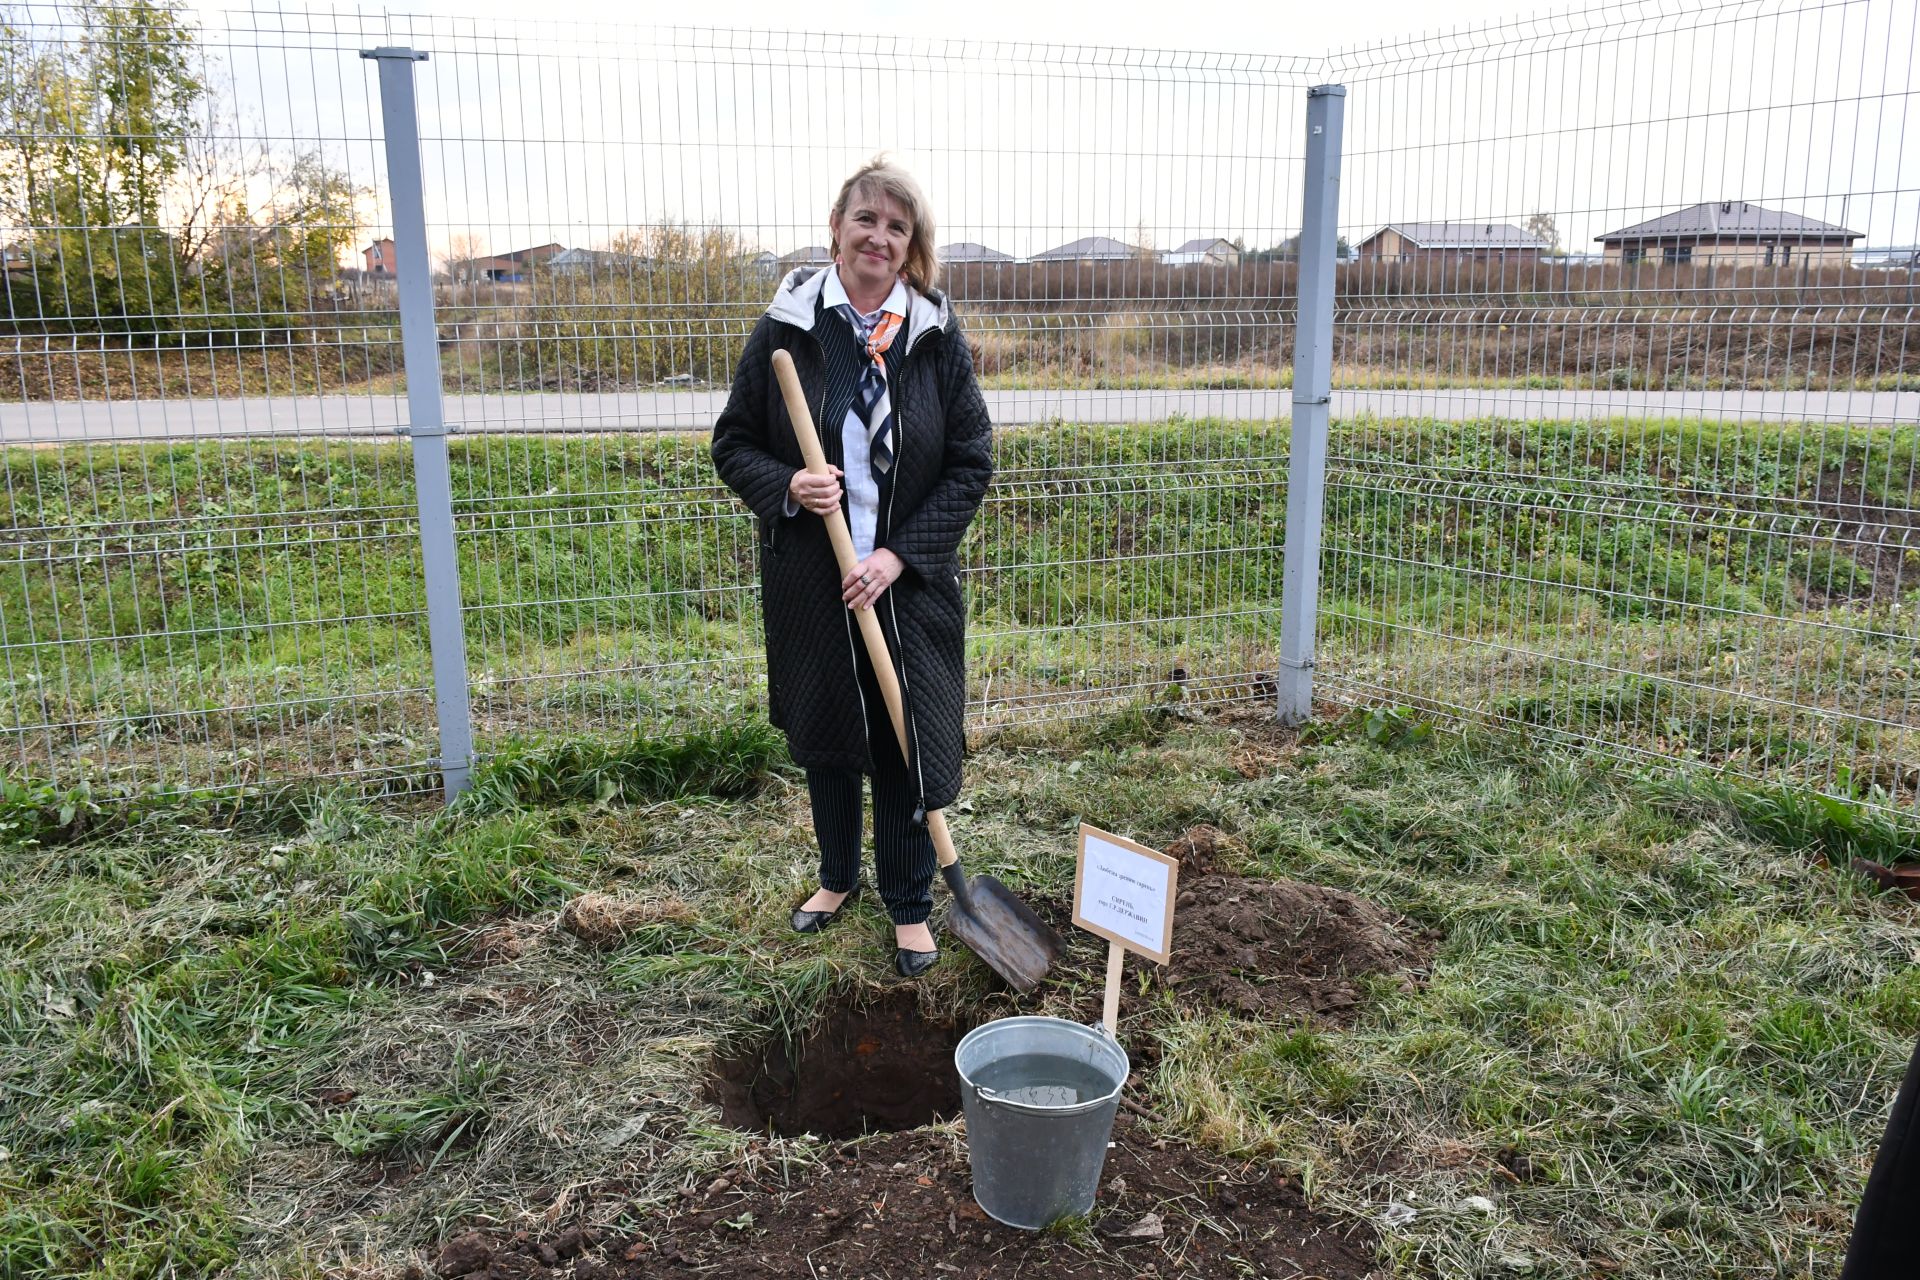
column 890, row 383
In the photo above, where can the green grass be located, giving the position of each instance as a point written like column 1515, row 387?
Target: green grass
column 289, row 1053
column 196, row 616
column 725, row 760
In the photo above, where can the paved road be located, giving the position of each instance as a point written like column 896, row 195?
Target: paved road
column 373, row 417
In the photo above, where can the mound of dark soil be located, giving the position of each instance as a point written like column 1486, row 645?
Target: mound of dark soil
column 1276, row 949
column 902, row 1205
column 874, row 1068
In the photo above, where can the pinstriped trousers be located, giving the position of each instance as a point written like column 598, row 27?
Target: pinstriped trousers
column 903, row 856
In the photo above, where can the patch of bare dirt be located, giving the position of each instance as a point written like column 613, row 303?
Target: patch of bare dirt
column 1271, row 950
column 1281, row 949
column 1275, row 950
column 902, row 1205
column 1204, row 849
column 1266, row 746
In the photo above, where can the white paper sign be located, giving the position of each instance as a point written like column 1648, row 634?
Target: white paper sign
column 1124, row 892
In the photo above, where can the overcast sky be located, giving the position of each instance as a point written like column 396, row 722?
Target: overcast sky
column 1290, row 27
column 1031, row 124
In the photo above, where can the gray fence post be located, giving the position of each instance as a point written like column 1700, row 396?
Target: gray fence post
column 426, row 415
column 1312, row 392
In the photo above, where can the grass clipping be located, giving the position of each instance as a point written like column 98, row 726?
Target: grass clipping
column 605, row 922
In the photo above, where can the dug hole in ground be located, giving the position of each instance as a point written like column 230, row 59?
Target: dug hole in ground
column 891, row 1193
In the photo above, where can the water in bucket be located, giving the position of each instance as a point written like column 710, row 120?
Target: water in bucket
column 1044, row 1080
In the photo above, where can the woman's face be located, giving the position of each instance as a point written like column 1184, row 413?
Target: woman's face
column 873, row 235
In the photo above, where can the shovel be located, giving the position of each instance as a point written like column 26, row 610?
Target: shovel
column 1002, row 930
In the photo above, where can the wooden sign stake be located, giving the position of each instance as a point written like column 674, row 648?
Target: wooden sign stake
column 1110, row 1014
column 1124, row 892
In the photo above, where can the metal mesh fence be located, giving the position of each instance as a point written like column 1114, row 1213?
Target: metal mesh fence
column 209, row 567
column 1623, row 410
column 1125, row 547
column 1630, row 361
column 609, row 208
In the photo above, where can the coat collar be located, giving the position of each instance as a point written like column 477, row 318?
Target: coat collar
column 834, row 294
column 799, row 298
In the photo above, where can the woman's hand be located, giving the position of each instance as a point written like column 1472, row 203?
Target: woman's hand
column 871, row 577
column 818, row 494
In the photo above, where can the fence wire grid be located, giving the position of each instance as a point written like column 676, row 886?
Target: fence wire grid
column 1625, row 377
column 1634, row 324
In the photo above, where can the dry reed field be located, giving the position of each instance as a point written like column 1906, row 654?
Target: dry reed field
column 680, row 320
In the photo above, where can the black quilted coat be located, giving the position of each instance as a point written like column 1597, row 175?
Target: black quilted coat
column 942, row 465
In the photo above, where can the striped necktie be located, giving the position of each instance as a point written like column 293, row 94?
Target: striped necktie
column 870, row 399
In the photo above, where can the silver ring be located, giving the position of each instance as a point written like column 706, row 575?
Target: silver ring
column 863, row 577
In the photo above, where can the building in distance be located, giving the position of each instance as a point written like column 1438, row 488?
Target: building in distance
column 1203, row 252
column 600, row 263
column 504, row 268
column 1089, row 249
column 1735, row 232
column 1471, row 241
column 16, row 261
column 965, row 251
column 813, row 255
column 1889, row 257
column 760, row 264
column 378, row 257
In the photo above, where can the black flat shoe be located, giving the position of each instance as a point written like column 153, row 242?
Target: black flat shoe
column 911, row 964
column 815, row 921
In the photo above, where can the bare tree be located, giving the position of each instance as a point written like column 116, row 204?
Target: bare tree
column 1143, row 244
column 1542, row 226
column 462, row 248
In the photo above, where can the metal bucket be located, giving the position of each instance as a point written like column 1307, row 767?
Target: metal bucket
column 1037, row 1149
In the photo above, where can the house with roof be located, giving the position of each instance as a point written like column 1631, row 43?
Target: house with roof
column 594, row 262
column 1203, row 252
column 966, row 251
column 378, row 257
column 1472, row 241
column 16, row 261
column 506, row 268
column 759, row 263
column 813, row 255
column 1887, row 257
column 1089, row 249
column 1736, row 232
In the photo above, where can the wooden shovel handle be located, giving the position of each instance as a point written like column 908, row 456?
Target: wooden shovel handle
column 803, row 430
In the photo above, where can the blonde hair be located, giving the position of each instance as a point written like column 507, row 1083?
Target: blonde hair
column 880, row 176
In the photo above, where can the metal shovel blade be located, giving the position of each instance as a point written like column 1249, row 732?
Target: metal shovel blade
column 1000, row 929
